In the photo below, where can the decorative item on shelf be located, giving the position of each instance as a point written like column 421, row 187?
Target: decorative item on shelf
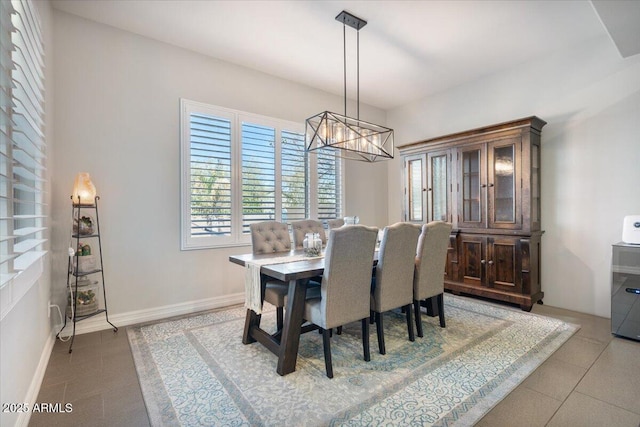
column 351, row 220
column 83, row 226
column 86, row 262
column 351, row 138
column 86, row 298
column 84, row 192
column 312, row 244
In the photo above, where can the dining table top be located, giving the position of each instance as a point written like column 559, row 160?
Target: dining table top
column 285, row 271
column 288, row 270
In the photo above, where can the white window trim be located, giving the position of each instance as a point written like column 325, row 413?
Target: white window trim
column 237, row 238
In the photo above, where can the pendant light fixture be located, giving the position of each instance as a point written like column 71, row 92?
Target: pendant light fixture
column 352, row 138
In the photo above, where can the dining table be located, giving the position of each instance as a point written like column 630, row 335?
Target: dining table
column 290, row 268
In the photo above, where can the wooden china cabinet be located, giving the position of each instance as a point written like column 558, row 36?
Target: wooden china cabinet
column 486, row 183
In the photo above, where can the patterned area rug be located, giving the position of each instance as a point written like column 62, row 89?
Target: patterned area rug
column 195, row 371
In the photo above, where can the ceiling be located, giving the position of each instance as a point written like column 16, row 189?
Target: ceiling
column 408, row 49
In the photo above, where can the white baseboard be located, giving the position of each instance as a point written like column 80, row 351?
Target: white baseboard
column 99, row 323
column 36, row 381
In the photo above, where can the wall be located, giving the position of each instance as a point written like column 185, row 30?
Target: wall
column 117, row 115
column 26, row 335
column 590, row 98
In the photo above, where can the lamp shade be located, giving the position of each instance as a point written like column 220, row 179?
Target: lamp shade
column 84, row 192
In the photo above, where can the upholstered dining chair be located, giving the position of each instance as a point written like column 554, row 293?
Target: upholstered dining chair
column 335, row 223
column 301, row 228
column 431, row 257
column 269, row 237
column 393, row 281
column 346, row 283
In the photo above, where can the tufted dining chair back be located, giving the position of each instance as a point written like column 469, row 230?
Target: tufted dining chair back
column 269, row 237
column 335, row 223
column 431, row 257
column 393, row 285
column 301, row 228
column 346, row 285
column 395, row 268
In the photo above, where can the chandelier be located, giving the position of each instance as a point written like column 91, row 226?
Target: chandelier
column 352, row 138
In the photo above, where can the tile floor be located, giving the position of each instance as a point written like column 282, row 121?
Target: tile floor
column 592, row 380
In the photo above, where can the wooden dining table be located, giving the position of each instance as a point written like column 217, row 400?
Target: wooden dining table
column 284, row 343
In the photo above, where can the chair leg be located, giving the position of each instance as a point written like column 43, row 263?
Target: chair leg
column 407, row 309
column 372, row 316
column 326, row 344
column 279, row 317
column 365, row 339
column 441, row 309
column 339, row 330
column 416, row 307
column 380, row 332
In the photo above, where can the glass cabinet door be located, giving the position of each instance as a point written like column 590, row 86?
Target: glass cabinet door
column 415, row 203
column 535, row 187
column 439, row 186
column 472, row 183
column 504, row 179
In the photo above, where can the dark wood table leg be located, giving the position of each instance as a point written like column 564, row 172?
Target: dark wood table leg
column 252, row 319
column 291, row 329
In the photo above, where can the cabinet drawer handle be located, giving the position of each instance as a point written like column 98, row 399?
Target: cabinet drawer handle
column 482, row 261
column 484, row 186
column 490, row 185
column 490, row 262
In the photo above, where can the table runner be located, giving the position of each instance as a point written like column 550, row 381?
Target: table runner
column 252, row 298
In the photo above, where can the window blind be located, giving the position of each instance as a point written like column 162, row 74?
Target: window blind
column 258, row 174
column 329, row 184
column 239, row 168
column 22, row 149
column 294, row 167
column 210, row 175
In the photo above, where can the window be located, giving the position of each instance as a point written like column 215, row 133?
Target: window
column 239, row 168
column 22, row 151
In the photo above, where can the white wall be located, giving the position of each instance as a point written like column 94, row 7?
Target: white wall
column 590, row 98
column 117, row 117
column 26, row 331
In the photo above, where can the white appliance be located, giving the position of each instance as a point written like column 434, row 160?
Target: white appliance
column 631, row 229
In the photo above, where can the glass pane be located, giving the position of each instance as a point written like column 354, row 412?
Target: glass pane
column 471, row 186
column 504, row 184
column 415, row 190
column 258, row 174
column 535, row 183
column 439, row 188
column 210, row 170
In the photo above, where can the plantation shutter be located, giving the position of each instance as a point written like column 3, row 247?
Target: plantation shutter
column 258, row 174
column 22, row 146
column 329, row 184
column 294, row 173
column 210, row 150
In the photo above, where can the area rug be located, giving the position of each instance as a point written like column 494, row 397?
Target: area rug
column 195, row 371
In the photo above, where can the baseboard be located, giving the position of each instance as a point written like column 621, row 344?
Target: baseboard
column 36, row 381
column 99, row 323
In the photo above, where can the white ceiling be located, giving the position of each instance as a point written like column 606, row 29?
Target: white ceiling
column 408, row 49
